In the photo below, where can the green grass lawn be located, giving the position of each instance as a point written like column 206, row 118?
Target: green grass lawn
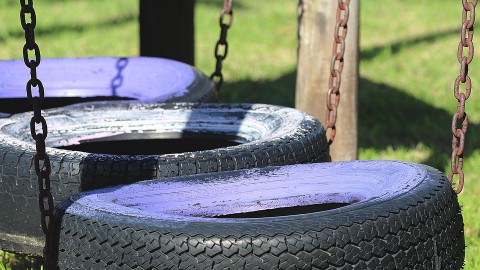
column 407, row 69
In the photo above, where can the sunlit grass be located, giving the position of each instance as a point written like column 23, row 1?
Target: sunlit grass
column 407, row 69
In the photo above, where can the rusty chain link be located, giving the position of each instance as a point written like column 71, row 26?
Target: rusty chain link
column 221, row 47
column 336, row 67
column 460, row 118
column 41, row 160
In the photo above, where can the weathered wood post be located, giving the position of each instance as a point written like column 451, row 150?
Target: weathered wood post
column 167, row 29
column 316, row 23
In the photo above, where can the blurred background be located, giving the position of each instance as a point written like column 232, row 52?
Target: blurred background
column 408, row 63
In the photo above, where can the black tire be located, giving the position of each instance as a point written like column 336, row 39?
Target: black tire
column 268, row 135
column 76, row 80
column 400, row 216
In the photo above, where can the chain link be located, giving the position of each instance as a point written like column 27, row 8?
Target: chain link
column 336, row 67
column 460, row 118
column 41, row 159
column 221, row 48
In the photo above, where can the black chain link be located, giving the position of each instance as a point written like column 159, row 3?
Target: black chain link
column 221, row 48
column 41, row 159
column 460, row 118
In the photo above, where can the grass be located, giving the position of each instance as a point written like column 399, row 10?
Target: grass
column 407, row 69
column 11, row 261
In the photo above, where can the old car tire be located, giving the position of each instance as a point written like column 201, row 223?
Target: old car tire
column 397, row 216
column 77, row 80
column 264, row 135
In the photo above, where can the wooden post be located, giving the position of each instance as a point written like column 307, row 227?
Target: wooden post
column 167, row 29
column 317, row 20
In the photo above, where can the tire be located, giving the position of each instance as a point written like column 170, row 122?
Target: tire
column 397, row 216
column 75, row 80
column 264, row 135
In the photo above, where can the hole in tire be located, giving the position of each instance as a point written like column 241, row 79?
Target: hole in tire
column 287, row 211
column 128, row 144
column 19, row 105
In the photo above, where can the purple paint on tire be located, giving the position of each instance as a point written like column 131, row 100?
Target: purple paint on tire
column 75, row 80
column 256, row 190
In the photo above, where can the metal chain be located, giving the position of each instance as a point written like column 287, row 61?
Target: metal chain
column 41, row 159
column 221, row 48
column 336, row 67
column 460, row 118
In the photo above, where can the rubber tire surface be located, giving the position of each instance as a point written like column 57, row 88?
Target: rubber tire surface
column 270, row 135
column 77, row 80
column 414, row 225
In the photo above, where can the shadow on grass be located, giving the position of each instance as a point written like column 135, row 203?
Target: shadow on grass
column 388, row 117
column 278, row 91
column 395, row 47
column 20, row 262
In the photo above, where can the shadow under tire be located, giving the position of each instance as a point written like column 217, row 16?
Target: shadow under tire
column 399, row 216
column 263, row 135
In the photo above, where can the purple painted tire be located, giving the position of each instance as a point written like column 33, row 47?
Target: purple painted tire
column 75, row 80
column 349, row 215
column 97, row 145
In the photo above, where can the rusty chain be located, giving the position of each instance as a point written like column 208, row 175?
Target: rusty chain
column 41, row 160
column 460, row 118
column 336, row 67
column 221, row 47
